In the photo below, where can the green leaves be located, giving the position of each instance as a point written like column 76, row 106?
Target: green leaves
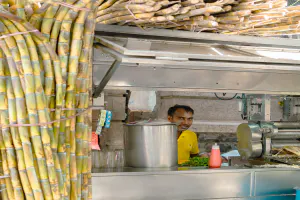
column 196, row 162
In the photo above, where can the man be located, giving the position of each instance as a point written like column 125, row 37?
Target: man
column 187, row 140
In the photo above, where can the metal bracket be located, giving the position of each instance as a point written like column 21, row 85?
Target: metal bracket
column 98, row 89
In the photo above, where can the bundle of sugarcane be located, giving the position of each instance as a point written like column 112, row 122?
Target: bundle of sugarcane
column 250, row 17
column 45, row 89
column 280, row 21
column 162, row 14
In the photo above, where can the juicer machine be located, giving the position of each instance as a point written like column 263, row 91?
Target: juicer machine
column 260, row 135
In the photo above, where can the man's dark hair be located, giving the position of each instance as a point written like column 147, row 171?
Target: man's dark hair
column 173, row 109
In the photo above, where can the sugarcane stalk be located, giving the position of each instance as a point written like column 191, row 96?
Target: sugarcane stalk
column 133, row 7
column 53, row 159
column 40, row 95
column 86, row 44
column 201, row 11
column 13, row 59
column 230, row 19
column 6, row 140
column 125, row 6
column 64, row 40
column 41, row 140
column 20, row 4
column 262, row 6
column 227, row 8
column 59, row 16
column 229, row 27
column 128, row 17
column 28, row 11
column 184, row 10
column 48, row 20
column 8, row 181
column 220, row 3
column 116, row 14
column 107, row 4
column 11, row 137
column 4, row 194
column 76, row 46
column 170, row 10
column 191, row 2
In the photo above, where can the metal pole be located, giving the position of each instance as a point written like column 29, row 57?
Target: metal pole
column 106, row 78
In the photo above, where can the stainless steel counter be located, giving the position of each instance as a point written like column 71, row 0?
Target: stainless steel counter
column 196, row 184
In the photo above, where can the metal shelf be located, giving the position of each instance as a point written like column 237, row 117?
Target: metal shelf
column 188, row 36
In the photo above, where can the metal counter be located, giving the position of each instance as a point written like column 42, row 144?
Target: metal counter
column 196, row 184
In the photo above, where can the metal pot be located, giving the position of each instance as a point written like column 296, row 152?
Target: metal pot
column 151, row 145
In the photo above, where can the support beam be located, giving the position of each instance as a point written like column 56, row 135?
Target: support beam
column 98, row 89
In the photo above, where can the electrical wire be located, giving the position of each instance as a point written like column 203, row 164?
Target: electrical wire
column 226, row 98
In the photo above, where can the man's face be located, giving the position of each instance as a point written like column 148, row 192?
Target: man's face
column 183, row 119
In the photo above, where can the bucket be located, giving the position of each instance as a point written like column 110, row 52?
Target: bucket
column 151, row 145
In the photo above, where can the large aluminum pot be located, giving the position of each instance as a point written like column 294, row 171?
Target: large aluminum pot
column 151, row 144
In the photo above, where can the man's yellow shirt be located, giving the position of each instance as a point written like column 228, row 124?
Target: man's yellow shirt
column 187, row 145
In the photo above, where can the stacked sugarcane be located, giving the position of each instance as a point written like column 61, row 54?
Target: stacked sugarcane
column 189, row 14
column 252, row 17
column 269, row 22
column 45, row 92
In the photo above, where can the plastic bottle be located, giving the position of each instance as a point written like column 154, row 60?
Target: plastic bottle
column 215, row 159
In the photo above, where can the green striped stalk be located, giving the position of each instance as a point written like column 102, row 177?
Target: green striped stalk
column 49, row 73
column 90, row 124
column 83, row 82
column 40, row 96
column 8, row 153
column 6, row 172
column 11, row 135
column 42, row 107
column 39, row 80
column 10, row 118
column 44, row 47
column 86, row 44
column 21, row 114
column 76, row 49
column 40, row 140
column 73, row 167
column 4, row 194
column 36, row 20
column 4, row 166
column 57, row 24
column 48, row 20
column 8, row 143
column 64, row 51
column 20, row 9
